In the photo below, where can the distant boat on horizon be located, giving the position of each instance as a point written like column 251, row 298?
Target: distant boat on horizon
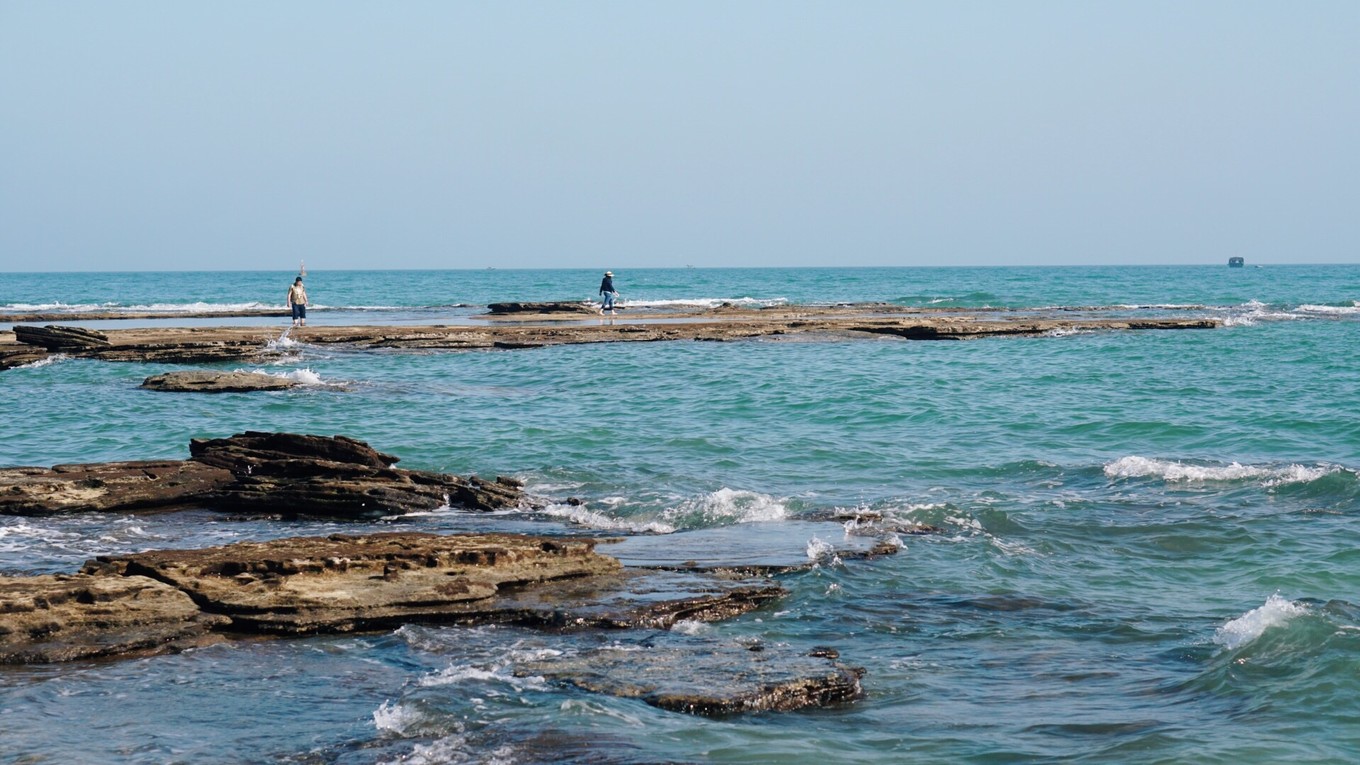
column 1236, row 262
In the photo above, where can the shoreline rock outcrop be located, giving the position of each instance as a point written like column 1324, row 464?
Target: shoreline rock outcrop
column 167, row 600
column 547, row 307
column 342, row 583
column 216, row 382
column 107, row 487
column 284, row 474
column 526, row 325
column 66, row 617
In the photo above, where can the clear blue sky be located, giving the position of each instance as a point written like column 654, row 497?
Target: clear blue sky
column 225, row 135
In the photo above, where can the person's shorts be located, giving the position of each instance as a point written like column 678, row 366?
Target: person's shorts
column 299, row 312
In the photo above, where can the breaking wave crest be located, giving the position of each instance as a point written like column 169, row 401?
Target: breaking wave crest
column 1177, row 472
column 723, row 507
column 1248, row 627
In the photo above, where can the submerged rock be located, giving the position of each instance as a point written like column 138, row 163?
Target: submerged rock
column 68, row 617
column 706, row 677
column 216, row 382
column 107, row 486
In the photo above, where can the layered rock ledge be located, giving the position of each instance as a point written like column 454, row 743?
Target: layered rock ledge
column 283, row 474
column 217, row 382
column 216, row 344
column 170, row 599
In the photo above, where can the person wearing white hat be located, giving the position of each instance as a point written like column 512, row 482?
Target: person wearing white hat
column 607, row 290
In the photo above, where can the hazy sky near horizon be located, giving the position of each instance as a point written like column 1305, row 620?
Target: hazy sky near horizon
column 196, row 135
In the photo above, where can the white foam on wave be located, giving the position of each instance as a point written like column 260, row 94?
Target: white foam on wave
column 707, row 302
column 1176, row 472
column 719, row 508
column 1332, row 309
column 580, row 515
column 303, row 377
column 733, row 506
column 281, row 343
column 449, row 750
column 691, row 627
column 1253, row 311
column 45, row 361
column 1244, row 629
column 395, row 718
column 819, row 550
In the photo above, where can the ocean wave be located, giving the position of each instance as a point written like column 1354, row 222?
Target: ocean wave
column 45, row 361
column 745, row 302
column 1249, row 626
column 199, row 306
column 719, row 508
column 726, row 506
column 580, row 515
column 1252, row 312
column 1177, row 472
column 307, row 378
column 817, row 551
column 1334, row 310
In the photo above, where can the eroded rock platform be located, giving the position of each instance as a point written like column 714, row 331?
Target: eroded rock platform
column 282, row 474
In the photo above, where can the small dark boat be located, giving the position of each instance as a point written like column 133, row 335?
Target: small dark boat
column 1236, row 262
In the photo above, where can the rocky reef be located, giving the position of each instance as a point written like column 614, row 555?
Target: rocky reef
column 532, row 325
column 281, row 474
column 706, row 676
column 216, row 382
column 158, row 601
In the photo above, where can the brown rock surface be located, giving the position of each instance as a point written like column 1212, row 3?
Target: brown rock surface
column 58, row 338
column 296, row 474
column 15, row 354
column 285, row 474
column 533, row 330
column 107, row 487
column 216, row 382
column 67, row 617
column 342, row 583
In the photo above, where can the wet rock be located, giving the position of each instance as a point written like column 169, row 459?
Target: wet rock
column 54, row 337
column 276, row 474
column 295, row 474
column 251, row 450
column 342, row 583
column 15, row 354
column 706, row 677
column 542, row 307
column 636, row 598
column 216, row 382
column 107, row 487
column 67, row 617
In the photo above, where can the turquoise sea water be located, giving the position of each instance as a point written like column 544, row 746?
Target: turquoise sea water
column 1149, row 551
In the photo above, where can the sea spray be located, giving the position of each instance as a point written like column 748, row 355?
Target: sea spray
column 1249, row 626
column 1172, row 471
